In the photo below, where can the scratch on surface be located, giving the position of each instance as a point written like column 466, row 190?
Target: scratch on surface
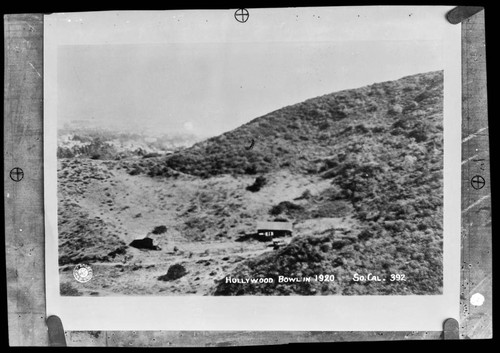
column 476, row 287
column 468, row 159
column 32, row 29
column 476, row 203
column 35, row 70
column 473, row 135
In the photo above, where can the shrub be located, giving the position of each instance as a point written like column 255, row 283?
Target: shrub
column 328, row 164
column 395, row 109
column 397, row 131
column 257, row 185
column 159, row 230
column 251, row 169
column 340, row 113
column 174, row 272
column 410, row 87
column 67, row 289
column 361, row 128
column 365, row 234
column 372, row 107
column 410, row 107
column 63, row 152
column 135, row 171
column 378, row 129
column 402, row 123
column 287, row 207
column 419, row 134
column 324, row 125
column 422, row 96
column 305, row 195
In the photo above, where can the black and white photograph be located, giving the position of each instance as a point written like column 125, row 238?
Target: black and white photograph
column 220, row 162
column 247, row 176
column 264, row 169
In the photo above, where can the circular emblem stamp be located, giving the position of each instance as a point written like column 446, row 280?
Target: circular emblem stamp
column 82, row 273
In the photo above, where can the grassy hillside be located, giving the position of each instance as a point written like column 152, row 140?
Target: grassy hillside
column 358, row 173
column 82, row 237
column 384, row 160
column 300, row 136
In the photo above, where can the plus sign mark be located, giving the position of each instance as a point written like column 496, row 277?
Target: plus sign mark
column 477, row 182
column 16, row 174
column 241, row 15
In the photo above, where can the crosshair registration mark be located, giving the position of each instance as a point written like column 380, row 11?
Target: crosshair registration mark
column 241, row 15
column 16, row 174
column 477, row 182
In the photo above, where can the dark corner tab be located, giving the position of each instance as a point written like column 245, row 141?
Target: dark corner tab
column 460, row 13
column 450, row 329
column 56, row 332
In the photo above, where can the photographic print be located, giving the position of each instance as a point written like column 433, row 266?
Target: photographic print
column 184, row 170
column 200, row 166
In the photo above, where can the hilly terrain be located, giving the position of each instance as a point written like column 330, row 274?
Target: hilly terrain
column 358, row 173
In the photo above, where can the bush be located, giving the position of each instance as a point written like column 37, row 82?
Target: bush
column 378, row 129
column 324, row 125
column 365, row 234
column 64, row 152
column 135, row 171
column 419, row 134
column 422, row 96
column 340, row 113
column 159, row 230
column 372, row 107
column 287, row 207
column 257, row 185
column 67, row 289
column 174, row 272
column 403, row 123
column 410, row 107
column 306, row 195
column 361, row 128
column 395, row 109
column 251, row 169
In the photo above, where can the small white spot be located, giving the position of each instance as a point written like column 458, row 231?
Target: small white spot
column 8, row 195
column 20, row 230
column 477, row 299
column 69, row 19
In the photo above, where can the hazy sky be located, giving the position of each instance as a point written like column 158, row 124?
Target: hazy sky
column 210, row 88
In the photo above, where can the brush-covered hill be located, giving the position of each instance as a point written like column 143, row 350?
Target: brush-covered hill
column 301, row 135
column 381, row 147
column 357, row 172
